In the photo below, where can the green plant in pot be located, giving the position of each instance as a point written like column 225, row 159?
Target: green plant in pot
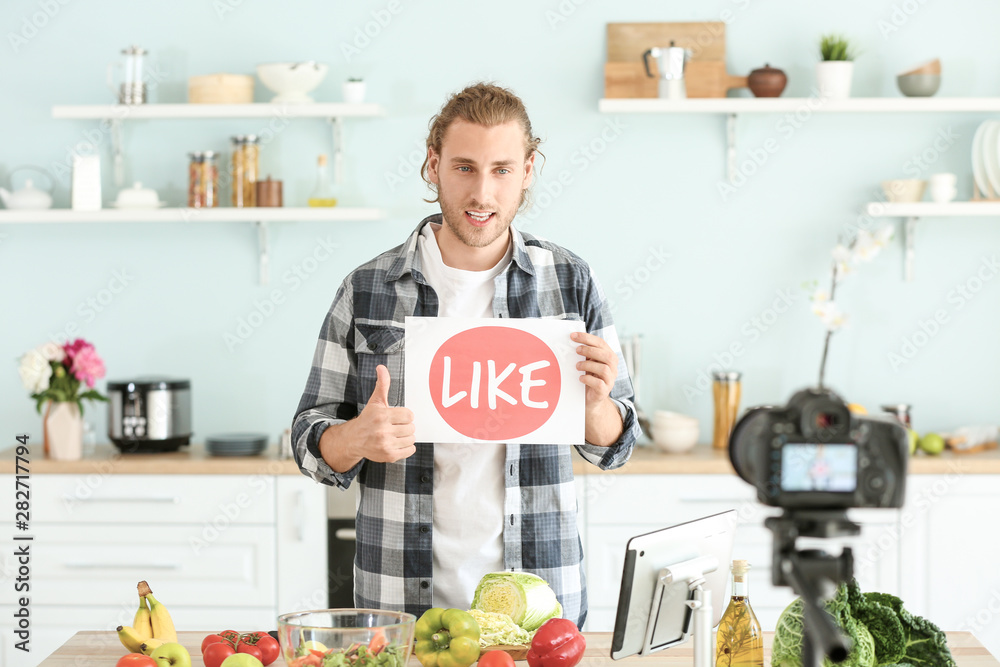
column 834, row 71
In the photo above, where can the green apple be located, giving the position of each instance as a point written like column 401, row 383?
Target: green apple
column 171, row 654
column 913, row 439
column 932, row 443
column 241, row 660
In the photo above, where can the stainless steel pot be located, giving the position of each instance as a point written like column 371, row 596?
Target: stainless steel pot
column 149, row 414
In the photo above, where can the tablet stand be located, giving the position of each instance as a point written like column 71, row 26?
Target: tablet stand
column 693, row 572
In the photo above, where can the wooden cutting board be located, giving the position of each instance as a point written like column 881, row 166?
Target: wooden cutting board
column 519, row 652
column 705, row 74
column 706, row 78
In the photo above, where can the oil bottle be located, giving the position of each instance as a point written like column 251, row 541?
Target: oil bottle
column 739, row 641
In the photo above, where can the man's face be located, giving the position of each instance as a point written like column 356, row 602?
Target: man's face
column 481, row 174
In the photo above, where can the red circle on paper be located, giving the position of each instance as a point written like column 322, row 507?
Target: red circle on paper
column 503, row 346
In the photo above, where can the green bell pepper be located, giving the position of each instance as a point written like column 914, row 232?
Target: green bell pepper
column 446, row 638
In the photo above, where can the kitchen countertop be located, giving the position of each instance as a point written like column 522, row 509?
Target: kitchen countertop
column 191, row 460
column 194, row 460
column 102, row 649
column 704, row 460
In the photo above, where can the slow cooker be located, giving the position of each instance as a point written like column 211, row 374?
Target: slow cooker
column 151, row 413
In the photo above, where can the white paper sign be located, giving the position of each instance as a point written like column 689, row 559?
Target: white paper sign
column 494, row 380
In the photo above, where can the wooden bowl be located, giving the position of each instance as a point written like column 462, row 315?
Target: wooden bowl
column 220, row 89
column 932, row 67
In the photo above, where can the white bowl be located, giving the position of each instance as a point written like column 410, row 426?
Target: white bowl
column 904, row 190
column 291, row 80
column 675, row 439
column 667, row 417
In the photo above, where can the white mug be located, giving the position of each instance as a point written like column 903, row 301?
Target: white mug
column 943, row 180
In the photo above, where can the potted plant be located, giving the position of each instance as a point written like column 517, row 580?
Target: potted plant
column 354, row 91
column 833, row 73
column 55, row 374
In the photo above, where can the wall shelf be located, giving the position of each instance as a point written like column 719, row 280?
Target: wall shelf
column 733, row 106
column 146, row 111
column 260, row 217
column 912, row 212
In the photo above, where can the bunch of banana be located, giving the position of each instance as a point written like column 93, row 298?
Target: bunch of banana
column 151, row 626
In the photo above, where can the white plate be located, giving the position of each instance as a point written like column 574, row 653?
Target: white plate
column 138, row 208
column 991, row 155
column 978, row 166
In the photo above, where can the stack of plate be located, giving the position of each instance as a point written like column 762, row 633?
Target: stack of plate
column 986, row 159
column 236, row 444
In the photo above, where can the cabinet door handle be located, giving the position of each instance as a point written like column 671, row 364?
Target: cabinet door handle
column 173, row 500
column 346, row 534
column 122, row 566
column 300, row 520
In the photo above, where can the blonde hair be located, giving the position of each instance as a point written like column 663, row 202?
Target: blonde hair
column 484, row 104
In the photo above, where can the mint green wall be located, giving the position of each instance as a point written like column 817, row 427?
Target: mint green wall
column 653, row 189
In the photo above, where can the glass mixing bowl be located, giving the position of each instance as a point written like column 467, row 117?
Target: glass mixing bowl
column 366, row 637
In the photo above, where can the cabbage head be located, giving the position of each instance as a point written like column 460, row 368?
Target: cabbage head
column 523, row 596
column 789, row 634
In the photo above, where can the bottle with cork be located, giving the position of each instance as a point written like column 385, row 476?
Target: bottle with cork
column 323, row 193
column 739, row 641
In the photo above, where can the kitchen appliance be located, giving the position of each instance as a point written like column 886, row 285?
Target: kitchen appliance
column 132, row 89
column 341, row 512
column 27, row 197
column 149, row 414
column 670, row 62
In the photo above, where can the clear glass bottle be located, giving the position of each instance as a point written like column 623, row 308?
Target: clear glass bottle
column 322, row 194
column 739, row 641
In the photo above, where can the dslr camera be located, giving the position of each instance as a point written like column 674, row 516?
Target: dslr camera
column 815, row 454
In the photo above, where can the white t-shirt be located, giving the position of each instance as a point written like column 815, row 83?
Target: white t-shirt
column 468, row 478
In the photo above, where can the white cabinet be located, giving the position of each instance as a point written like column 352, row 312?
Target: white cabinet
column 218, row 550
column 950, row 553
column 620, row 506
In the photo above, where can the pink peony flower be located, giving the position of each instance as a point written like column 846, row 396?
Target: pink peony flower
column 73, row 348
column 86, row 365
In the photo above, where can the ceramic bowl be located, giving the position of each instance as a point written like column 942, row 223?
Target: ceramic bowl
column 904, row 190
column 675, row 438
column 291, row 80
column 918, row 85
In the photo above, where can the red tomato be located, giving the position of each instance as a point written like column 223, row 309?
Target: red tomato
column 258, row 634
column 214, row 654
column 135, row 660
column 211, row 639
column 269, row 649
column 495, row 658
column 250, row 649
column 231, row 635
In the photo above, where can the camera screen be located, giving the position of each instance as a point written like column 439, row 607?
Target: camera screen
column 814, row 467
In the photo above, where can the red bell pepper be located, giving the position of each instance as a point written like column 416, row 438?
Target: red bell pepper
column 557, row 644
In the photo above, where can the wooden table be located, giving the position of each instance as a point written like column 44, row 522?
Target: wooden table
column 102, row 649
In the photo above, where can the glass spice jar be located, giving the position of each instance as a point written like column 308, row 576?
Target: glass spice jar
column 203, row 179
column 726, row 394
column 246, row 162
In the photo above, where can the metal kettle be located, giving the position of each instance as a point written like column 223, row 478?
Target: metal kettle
column 670, row 61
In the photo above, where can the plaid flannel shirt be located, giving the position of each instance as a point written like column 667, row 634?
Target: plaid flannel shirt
column 364, row 328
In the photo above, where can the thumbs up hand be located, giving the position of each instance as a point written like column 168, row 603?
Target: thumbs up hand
column 383, row 433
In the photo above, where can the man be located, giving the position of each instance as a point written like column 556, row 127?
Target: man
column 433, row 518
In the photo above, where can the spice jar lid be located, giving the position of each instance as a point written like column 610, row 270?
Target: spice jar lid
column 201, row 156
column 245, row 139
column 726, row 376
